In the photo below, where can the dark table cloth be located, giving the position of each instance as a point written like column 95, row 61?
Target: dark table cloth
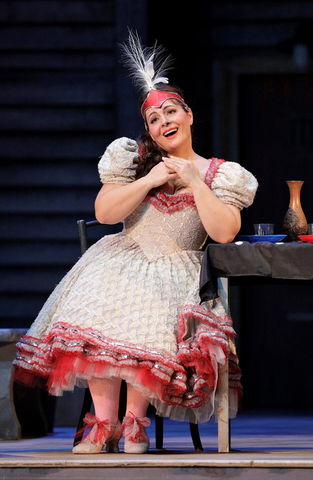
column 290, row 261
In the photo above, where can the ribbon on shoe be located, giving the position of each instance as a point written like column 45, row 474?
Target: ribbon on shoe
column 100, row 434
column 136, row 428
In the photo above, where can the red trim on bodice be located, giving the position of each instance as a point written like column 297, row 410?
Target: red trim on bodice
column 167, row 203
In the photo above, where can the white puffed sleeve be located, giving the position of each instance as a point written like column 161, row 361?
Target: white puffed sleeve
column 234, row 185
column 119, row 162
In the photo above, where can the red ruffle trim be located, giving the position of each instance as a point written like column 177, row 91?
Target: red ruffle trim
column 195, row 342
column 69, row 353
column 173, row 203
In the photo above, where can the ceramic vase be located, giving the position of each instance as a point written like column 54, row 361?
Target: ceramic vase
column 295, row 222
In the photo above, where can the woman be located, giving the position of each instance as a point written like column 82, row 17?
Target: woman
column 130, row 309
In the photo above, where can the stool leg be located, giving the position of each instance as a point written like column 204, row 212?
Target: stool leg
column 194, row 430
column 222, row 392
column 123, row 401
column 158, row 432
column 223, row 411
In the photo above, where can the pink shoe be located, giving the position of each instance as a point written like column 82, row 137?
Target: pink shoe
column 102, row 432
column 136, row 439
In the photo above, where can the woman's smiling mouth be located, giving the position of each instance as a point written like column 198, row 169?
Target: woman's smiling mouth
column 170, row 133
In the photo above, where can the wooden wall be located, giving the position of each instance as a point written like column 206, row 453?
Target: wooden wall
column 62, row 101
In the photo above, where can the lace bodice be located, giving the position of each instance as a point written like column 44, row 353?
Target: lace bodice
column 158, row 234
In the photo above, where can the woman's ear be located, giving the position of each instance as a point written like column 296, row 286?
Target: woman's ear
column 190, row 115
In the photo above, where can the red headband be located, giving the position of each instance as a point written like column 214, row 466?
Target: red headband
column 156, row 98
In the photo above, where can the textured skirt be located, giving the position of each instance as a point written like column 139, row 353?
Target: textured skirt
column 117, row 313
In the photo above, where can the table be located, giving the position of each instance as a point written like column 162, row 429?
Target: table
column 240, row 261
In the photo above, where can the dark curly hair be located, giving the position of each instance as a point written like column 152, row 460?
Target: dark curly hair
column 150, row 153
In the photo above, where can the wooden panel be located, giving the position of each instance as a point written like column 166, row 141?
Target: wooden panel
column 34, row 254
column 70, row 173
column 39, row 200
column 39, row 227
column 54, row 119
column 20, row 309
column 30, row 12
column 79, row 38
column 30, row 280
column 62, row 227
column 54, row 146
column 56, row 88
column 57, row 61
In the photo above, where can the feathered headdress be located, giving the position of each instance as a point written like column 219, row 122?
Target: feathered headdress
column 148, row 67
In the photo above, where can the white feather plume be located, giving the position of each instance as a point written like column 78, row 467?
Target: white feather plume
column 147, row 66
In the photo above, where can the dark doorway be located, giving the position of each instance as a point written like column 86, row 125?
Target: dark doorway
column 276, row 144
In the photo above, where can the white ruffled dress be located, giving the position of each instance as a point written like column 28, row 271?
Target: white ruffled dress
column 130, row 306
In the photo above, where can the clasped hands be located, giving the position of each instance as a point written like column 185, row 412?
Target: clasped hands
column 185, row 170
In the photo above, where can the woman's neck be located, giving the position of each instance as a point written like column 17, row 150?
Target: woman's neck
column 185, row 150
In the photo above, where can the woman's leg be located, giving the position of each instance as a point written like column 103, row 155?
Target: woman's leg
column 136, row 403
column 136, row 439
column 105, row 394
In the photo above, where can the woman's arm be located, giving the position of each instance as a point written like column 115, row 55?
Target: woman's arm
column 115, row 202
column 222, row 222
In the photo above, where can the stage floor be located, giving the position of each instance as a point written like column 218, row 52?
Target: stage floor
column 265, row 446
column 257, row 438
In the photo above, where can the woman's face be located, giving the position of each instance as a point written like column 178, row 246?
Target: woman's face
column 169, row 125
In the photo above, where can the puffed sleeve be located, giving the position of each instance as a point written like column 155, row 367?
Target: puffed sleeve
column 234, row 185
column 119, row 162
